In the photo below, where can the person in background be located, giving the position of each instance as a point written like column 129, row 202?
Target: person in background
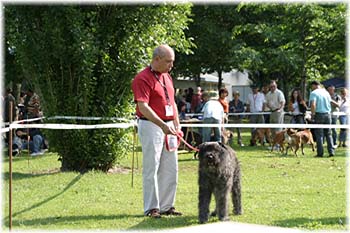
column 344, row 119
column 265, row 89
column 237, row 106
column 196, row 100
column 297, row 107
column 275, row 102
column 32, row 104
column 36, row 143
column 335, row 103
column 8, row 99
column 223, row 93
column 320, row 104
column 255, row 106
column 213, row 113
column 158, row 126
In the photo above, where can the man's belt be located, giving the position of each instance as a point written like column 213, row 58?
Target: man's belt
column 145, row 119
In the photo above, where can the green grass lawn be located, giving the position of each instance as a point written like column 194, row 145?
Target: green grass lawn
column 278, row 190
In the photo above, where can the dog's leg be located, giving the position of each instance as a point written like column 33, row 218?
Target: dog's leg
column 313, row 146
column 302, row 148
column 204, row 196
column 288, row 146
column 296, row 149
column 221, row 198
column 273, row 145
column 236, row 192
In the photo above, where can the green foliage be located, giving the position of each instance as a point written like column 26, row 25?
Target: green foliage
column 292, row 43
column 82, row 59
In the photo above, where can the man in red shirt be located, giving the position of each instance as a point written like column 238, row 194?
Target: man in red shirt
column 158, row 123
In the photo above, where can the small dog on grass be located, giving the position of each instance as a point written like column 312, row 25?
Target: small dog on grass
column 219, row 174
column 298, row 139
column 262, row 134
column 279, row 139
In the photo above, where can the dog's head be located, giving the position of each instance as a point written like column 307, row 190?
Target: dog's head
column 291, row 132
column 210, row 153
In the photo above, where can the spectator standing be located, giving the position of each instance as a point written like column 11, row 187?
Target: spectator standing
column 255, row 106
column 237, row 106
column 344, row 119
column 275, row 102
column 213, row 113
column 32, row 104
column 297, row 107
column 320, row 104
column 158, row 124
column 189, row 95
column 265, row 89
column 9, row 98
column 223, row 93
column 335, row 103
column 196, row 100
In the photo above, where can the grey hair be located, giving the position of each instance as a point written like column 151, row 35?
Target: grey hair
column 161, row 51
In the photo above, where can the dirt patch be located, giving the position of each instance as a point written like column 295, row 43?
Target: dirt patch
column 47, row 171
column 119, row 170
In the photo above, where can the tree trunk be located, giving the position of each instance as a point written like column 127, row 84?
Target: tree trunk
column 219, row 80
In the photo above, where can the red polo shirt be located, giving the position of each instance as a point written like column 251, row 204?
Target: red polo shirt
column 148, row 89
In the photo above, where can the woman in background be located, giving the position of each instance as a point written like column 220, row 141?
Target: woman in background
column 298, row 107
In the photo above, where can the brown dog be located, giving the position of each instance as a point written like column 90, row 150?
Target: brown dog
column 260, row 134
column 298, row 139
column 279, row 139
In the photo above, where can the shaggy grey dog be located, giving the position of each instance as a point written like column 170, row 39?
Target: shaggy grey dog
column 219, row 174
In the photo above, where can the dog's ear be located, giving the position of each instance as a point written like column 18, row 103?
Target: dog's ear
column 201, row 146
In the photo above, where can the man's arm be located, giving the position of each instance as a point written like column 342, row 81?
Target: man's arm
column 313, row 107
column 148, row 112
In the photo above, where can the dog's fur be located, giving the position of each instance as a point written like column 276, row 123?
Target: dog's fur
column 261, row 134
column 227, row 137
column 298, row 139
column 279, row 139
column 219, row 174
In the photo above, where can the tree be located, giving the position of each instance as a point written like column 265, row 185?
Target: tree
column 290, row 42
column 82, row 65
column 215, row 50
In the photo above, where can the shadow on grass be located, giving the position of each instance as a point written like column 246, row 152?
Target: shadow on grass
column 20, row 175
column 165, row 222
column 144, row 224
column 310, row 223
column 75, row 180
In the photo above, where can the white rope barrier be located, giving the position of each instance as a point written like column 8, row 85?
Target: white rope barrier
column 87, row 118
column 268, row 125
column 193, row 125
column 72, row 126
column 131, row 123
column 264, row 113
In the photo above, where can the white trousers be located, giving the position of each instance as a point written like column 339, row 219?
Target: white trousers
column 160, row 168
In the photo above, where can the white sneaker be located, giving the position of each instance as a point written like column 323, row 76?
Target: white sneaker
column 36, row 153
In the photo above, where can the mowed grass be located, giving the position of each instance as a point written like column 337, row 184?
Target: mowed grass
column 278, row 190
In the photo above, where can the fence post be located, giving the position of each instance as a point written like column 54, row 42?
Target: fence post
column 10, row 166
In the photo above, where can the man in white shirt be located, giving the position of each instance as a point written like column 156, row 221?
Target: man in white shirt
column 255, row 105
column 275, row 101
column 213, row 113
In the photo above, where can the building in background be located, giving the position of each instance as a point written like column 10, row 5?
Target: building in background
column 233, row 81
